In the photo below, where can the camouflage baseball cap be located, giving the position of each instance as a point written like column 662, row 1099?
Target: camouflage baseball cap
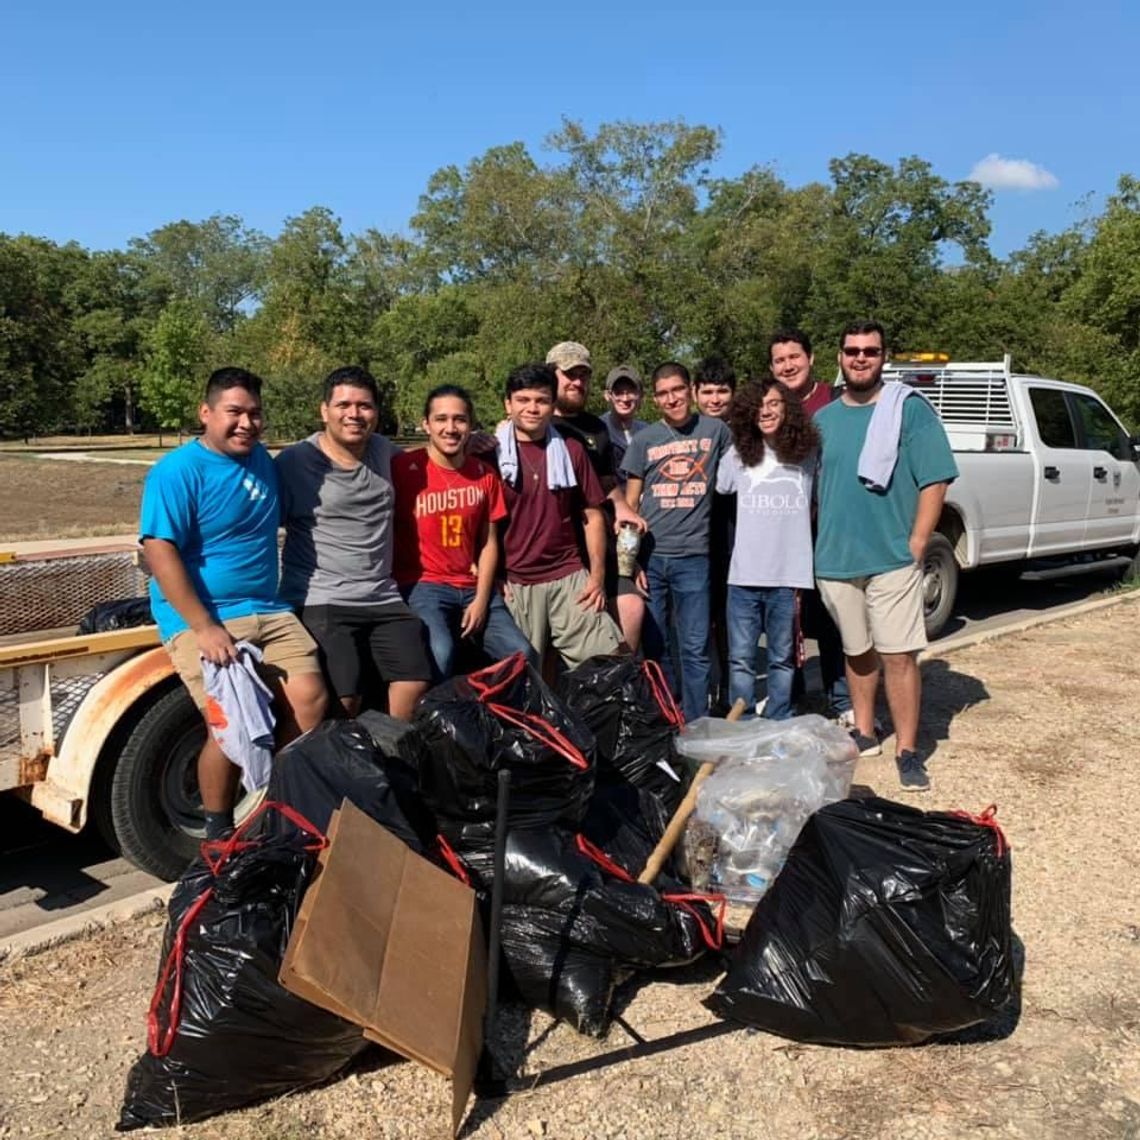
column 569, row 354
column 624, row 372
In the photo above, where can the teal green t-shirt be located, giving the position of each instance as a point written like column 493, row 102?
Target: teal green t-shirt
column 864, row 532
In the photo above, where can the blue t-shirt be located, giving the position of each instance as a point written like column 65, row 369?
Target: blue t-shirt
column 222, row 515
column 864, row 532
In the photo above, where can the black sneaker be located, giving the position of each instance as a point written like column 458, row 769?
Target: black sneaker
column 867, row 745
column 912, row 772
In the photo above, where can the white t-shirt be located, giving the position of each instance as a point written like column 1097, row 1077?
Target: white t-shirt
column 773, row 520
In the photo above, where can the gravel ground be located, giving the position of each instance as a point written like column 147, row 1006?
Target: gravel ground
column 1042, row 723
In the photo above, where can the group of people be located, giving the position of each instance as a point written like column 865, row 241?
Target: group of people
column 782, row 506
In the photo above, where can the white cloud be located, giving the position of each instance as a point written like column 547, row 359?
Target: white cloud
column 1000, row 173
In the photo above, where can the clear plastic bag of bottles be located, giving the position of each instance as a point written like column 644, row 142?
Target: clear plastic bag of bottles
column 770, row 777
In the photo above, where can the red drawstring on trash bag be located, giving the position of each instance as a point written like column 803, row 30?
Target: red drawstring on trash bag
column 659, row 687
column 454, row 863
column 714, row 938
column 216, row 853
column 490, row 682
column 988, row 818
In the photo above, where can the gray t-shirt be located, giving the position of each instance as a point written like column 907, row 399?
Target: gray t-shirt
column 773, row 520
column 338, row 526
column 678, row 468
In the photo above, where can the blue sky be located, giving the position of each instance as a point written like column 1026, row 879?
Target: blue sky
column 120, row 117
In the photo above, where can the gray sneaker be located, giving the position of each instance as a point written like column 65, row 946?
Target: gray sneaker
column 867, row 745
column 912, row 772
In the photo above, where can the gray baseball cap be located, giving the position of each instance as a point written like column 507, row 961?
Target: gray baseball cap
column 569, row 354
column 624, row 372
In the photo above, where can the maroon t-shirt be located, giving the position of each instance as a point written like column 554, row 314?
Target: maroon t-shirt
column 541, row 538
column 821, row 396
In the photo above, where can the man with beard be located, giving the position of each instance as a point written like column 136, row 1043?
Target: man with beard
column 790, row 361
column 337, row 503
column 571, row 363
column 872, row 539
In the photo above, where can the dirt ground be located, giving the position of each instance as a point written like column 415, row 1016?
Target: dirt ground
column 54, row 498
column 1041, row 723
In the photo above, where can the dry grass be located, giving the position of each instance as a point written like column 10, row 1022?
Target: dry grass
column 45, row 498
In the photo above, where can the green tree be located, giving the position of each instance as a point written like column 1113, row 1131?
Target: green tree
column 217, row 264
column 173, row 376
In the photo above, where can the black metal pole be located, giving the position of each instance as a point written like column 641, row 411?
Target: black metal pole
column 494, row 935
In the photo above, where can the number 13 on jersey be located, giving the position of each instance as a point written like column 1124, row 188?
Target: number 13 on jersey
column 451, row 528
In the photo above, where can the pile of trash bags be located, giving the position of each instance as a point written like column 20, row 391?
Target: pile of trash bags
column 127, row 613
column 574, row 920
column 770, row 776
column 876, row 924
column 886, row 926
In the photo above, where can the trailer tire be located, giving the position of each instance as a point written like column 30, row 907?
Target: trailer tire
column 939, row 584
column 155, row 806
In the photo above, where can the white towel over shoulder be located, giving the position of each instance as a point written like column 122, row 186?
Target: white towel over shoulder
column 559, row 467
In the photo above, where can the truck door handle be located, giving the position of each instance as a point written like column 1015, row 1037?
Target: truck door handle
column 1052, row 473
column 1100, row 473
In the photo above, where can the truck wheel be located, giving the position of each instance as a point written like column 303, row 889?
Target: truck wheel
column 939, row 584
column 156, row 809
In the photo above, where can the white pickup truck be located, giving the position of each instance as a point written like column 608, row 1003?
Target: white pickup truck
column 1049, row 480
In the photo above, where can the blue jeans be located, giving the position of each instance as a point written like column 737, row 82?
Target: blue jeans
column 753, row 610
column 440, row 608
column 679, row 598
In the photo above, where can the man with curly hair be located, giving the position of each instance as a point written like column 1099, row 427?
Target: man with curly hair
column 769, row 468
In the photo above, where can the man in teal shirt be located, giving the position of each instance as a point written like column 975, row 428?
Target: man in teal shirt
column 872, row 541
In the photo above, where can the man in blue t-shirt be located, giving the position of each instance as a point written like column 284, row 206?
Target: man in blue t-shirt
column 209, row 534
column 872, row 541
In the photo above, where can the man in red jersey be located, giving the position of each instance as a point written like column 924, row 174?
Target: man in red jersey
column 448, row 507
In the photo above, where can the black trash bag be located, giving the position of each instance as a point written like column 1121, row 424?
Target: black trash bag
column 238, row 1035
column 127, row 613
column 604, row 910
column 627, row 823
column 335, row 761
column 886, row 925
column 469, row 728
column 627, row 705
column 550, row 974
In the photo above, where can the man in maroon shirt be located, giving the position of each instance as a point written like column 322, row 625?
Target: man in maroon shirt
column 790, row 359
column 552, row 491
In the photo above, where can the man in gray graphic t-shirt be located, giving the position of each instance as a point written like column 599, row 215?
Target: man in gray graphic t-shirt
column 670, row 469
column 337, row 507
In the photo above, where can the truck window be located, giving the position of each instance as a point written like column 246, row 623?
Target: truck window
column 1054, row 424
column 1101, row 432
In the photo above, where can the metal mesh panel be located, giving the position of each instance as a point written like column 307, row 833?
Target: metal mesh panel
column 66, row 697
column 9, row 716
column 52, row 593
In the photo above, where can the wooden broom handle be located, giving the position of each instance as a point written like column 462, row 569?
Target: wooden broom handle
column 685, row 809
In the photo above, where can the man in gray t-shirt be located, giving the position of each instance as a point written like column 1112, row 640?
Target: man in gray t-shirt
column 337, row 505
column 670, row 468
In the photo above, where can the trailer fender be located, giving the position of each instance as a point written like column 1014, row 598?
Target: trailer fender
column 64, row 796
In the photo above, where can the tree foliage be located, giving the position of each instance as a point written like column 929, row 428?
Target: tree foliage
column 618, row 237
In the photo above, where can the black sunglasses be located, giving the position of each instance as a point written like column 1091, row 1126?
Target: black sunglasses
column 869, row 353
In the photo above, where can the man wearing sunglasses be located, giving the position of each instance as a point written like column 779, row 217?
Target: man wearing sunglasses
column 872, row 541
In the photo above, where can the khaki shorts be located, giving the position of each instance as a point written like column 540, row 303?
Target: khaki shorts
column 548, row 613
column 286, row 644
column 883, row 611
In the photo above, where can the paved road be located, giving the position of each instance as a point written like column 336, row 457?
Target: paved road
column 45, row 874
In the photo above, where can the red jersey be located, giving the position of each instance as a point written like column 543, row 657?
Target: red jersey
column 542, row 537
column 442, row 518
